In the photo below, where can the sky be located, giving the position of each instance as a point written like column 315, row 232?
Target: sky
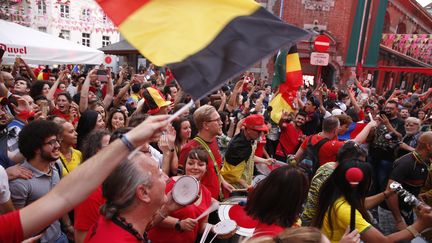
column 424, row 2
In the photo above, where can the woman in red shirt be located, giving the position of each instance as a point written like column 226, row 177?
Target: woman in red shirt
column 276, row 202
column 181, row 225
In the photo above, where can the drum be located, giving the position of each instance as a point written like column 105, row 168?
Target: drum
column 225, row 229
column 186, row 190
column 257, row 179
column 233, row 211
column 265, row 169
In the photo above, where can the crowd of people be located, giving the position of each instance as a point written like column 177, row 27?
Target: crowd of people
column 90, row 156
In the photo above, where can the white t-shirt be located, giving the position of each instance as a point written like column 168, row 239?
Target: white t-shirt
column 4, row 186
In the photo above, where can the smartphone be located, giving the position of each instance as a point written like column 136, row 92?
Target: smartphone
column 102, row 75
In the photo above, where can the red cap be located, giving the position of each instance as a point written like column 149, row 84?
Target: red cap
column 332, row 96
column 255, row 122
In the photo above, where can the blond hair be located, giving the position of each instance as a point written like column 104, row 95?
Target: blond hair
column 202, row 114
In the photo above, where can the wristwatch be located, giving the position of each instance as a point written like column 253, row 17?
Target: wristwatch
column 177, row 226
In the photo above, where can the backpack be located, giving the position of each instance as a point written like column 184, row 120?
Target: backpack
column 309, row 160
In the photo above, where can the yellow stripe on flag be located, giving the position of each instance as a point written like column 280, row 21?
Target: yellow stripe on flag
column 279, row 104
column 168, row 31
column 293, row 62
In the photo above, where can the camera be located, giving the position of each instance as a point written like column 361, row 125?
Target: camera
column 102, row 75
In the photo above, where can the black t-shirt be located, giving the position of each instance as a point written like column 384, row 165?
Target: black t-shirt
column 385, row 149
column 312, row 124
column 411, row 173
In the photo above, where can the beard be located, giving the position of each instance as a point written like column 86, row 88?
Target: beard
column 48, row 157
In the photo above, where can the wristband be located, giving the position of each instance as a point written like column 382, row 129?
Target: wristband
column 177, row 226
column 126, row 142
column 413, row 231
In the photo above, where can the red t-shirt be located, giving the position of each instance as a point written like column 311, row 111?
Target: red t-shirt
column 210, row 179
column 263, row 229
column 289, row 140
column 161, row 234
column 87, row 213
column 328, row 151
column 107, row 231
column 259, row 151
column 10, row 227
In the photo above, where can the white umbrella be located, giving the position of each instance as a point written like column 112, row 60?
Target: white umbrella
column 36, row 47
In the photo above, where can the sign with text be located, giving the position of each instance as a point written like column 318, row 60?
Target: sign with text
column 319, row 58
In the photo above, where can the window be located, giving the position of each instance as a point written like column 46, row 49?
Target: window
column 105, row 40
column 65, row 34
column 85, row 14
column 42, row 7
column 85, row 39
column 104, row 18
column 42, row 29
column 64, row 10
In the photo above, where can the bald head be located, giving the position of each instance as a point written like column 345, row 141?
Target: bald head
column 8, row 79
column 424, row 140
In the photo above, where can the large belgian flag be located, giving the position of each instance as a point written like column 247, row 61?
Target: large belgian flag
column 204, row 42
column 288, row 77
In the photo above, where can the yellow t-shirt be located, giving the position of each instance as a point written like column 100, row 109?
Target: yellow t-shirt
column 68, row 166
column 341, row 220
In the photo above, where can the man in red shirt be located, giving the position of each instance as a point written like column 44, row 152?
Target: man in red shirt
column 291, row 135
column 330, row 130
column 209, row 125
column 134, row 199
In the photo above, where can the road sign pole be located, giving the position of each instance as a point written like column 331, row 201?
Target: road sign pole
column 318, row 76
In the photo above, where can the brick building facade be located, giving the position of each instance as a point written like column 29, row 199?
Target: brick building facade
column 338, row 19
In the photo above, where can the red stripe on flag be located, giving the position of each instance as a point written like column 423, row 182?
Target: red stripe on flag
column 119, row 10
column 293, row 81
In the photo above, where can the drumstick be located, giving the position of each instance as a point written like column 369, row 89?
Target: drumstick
column 239, row 190
column 241, row 203
column 179, row 112
column 213, row 207
column 370, row 116
column 206, row 232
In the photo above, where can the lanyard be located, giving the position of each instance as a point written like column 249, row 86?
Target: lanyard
column 216, row 168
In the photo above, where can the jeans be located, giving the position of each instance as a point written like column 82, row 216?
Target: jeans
column 382, row 172
column 62, row 239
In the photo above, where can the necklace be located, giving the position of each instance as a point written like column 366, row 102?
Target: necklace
column 120, row 221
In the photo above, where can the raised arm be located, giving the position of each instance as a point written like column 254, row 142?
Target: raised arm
column 50, row 95
column 85, row 90
column 109, row 96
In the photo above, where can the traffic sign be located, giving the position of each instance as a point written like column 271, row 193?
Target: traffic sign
column 322, row 43
column 319, row 58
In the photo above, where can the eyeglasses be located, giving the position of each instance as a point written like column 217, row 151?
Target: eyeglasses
column 213, row 120
column 53, row 142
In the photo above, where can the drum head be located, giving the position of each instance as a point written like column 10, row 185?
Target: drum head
column 225, row 227
column 257, row 179
column 266, row 169
column 246, row 225
column 185, row 190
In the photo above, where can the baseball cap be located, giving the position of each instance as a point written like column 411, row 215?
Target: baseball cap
column 255, row 122
column 337, row 112
column 157, row 98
